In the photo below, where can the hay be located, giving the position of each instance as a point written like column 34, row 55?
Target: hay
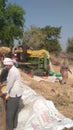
column 4, row 50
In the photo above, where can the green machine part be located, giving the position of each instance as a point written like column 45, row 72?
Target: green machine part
column 43, row 64
column 40, row 64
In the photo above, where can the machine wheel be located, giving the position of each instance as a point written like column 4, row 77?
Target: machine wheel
column 2, row 115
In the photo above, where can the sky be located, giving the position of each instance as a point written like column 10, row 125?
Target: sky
column 54, row 13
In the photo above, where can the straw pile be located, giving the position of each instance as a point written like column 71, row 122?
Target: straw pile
column 4, row 50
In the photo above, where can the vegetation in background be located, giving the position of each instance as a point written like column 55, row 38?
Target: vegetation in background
column 11, row 22
column 47, row 38
column 70, row 45
column 12, row 25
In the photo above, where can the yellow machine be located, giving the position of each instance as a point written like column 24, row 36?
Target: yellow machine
column 38, row 53
column 37, row 60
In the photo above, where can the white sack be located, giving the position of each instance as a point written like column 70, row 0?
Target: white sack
column 40, row 114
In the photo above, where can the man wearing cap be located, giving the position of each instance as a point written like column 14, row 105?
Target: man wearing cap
column 15, row 90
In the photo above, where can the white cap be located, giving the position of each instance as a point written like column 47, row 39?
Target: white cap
column 8, row 61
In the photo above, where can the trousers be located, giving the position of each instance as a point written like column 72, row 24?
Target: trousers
column 12, row 106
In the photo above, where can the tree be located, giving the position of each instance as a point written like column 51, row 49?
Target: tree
column 13, row 16
column 51, row 38
column 70, row 45
column 33, row 37
column 43, row 38
column 2, row 16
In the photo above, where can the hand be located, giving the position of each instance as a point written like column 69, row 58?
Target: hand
column 7, row 96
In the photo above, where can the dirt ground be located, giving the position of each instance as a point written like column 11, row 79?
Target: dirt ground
column 61, row 95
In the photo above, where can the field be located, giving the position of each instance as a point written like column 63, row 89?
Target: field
column 61, row 95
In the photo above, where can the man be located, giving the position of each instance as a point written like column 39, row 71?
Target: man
column 64, row 69
column 15, row 90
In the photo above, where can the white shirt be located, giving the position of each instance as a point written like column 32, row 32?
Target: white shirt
column 14, row 86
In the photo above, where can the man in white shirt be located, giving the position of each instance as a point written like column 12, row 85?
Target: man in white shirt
column 15, row 90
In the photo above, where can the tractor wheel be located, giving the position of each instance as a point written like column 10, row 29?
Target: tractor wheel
column 2, row 115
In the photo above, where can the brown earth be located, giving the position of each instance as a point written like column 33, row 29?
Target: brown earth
column 61, row 95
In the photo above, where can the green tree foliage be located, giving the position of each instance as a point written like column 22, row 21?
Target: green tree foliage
column 13, row 17
column 47, row 38
column 70, row 45
column 33, row 37
column 51, row 38
column 2, row 15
